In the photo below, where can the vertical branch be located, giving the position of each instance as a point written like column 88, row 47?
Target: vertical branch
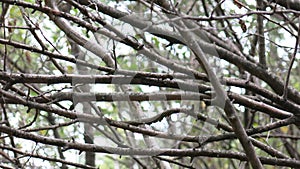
column 253, row 45
column 261, row 36
column 86, row 107
column 285, row 90
column 90, row 157
column 56, row 134
column 5, row 7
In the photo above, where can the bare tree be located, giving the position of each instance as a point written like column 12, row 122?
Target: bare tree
column 149, row 84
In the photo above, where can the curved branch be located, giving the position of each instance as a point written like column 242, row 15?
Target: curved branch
column 94, row 47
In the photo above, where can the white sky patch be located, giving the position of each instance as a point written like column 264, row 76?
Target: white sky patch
column 161, row 126
column 149, row 89
column 146, row 106
column 104, row 141
column 138, row 136
column 230, row 5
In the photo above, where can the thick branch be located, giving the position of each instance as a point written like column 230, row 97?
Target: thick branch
column 148, row 152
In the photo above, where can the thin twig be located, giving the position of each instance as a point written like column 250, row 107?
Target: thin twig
column 285, row 90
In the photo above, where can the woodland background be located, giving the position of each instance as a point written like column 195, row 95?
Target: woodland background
column 149, row 84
